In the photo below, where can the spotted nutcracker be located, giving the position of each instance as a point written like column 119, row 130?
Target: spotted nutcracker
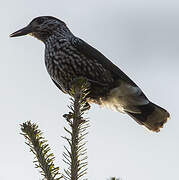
column 68, row 57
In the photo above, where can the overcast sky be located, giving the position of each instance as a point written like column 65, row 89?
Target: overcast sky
column 141, row 37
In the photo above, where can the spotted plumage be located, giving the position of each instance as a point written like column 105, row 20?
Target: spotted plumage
column 65, row 63
column 68, row 57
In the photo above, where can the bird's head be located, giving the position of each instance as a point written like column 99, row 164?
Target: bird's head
column 41, row 27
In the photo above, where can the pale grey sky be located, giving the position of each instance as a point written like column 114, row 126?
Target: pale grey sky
column 141, row 37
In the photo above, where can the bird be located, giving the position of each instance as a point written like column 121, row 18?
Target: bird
column 68, row 57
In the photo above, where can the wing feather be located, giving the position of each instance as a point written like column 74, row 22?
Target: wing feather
column 93, row 53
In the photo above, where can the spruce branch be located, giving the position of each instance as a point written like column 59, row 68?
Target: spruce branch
column 75, row 156
column 44, row 160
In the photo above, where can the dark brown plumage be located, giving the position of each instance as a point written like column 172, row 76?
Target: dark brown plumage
column 68, row 57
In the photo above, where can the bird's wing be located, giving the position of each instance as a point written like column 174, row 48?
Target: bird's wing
column 93, row 53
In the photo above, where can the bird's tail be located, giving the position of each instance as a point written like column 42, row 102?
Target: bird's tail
column 152, row 116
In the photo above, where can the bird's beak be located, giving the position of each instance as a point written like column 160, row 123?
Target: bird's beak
column 24, row 31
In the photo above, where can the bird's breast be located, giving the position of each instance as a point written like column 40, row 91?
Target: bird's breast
column 64, row 63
